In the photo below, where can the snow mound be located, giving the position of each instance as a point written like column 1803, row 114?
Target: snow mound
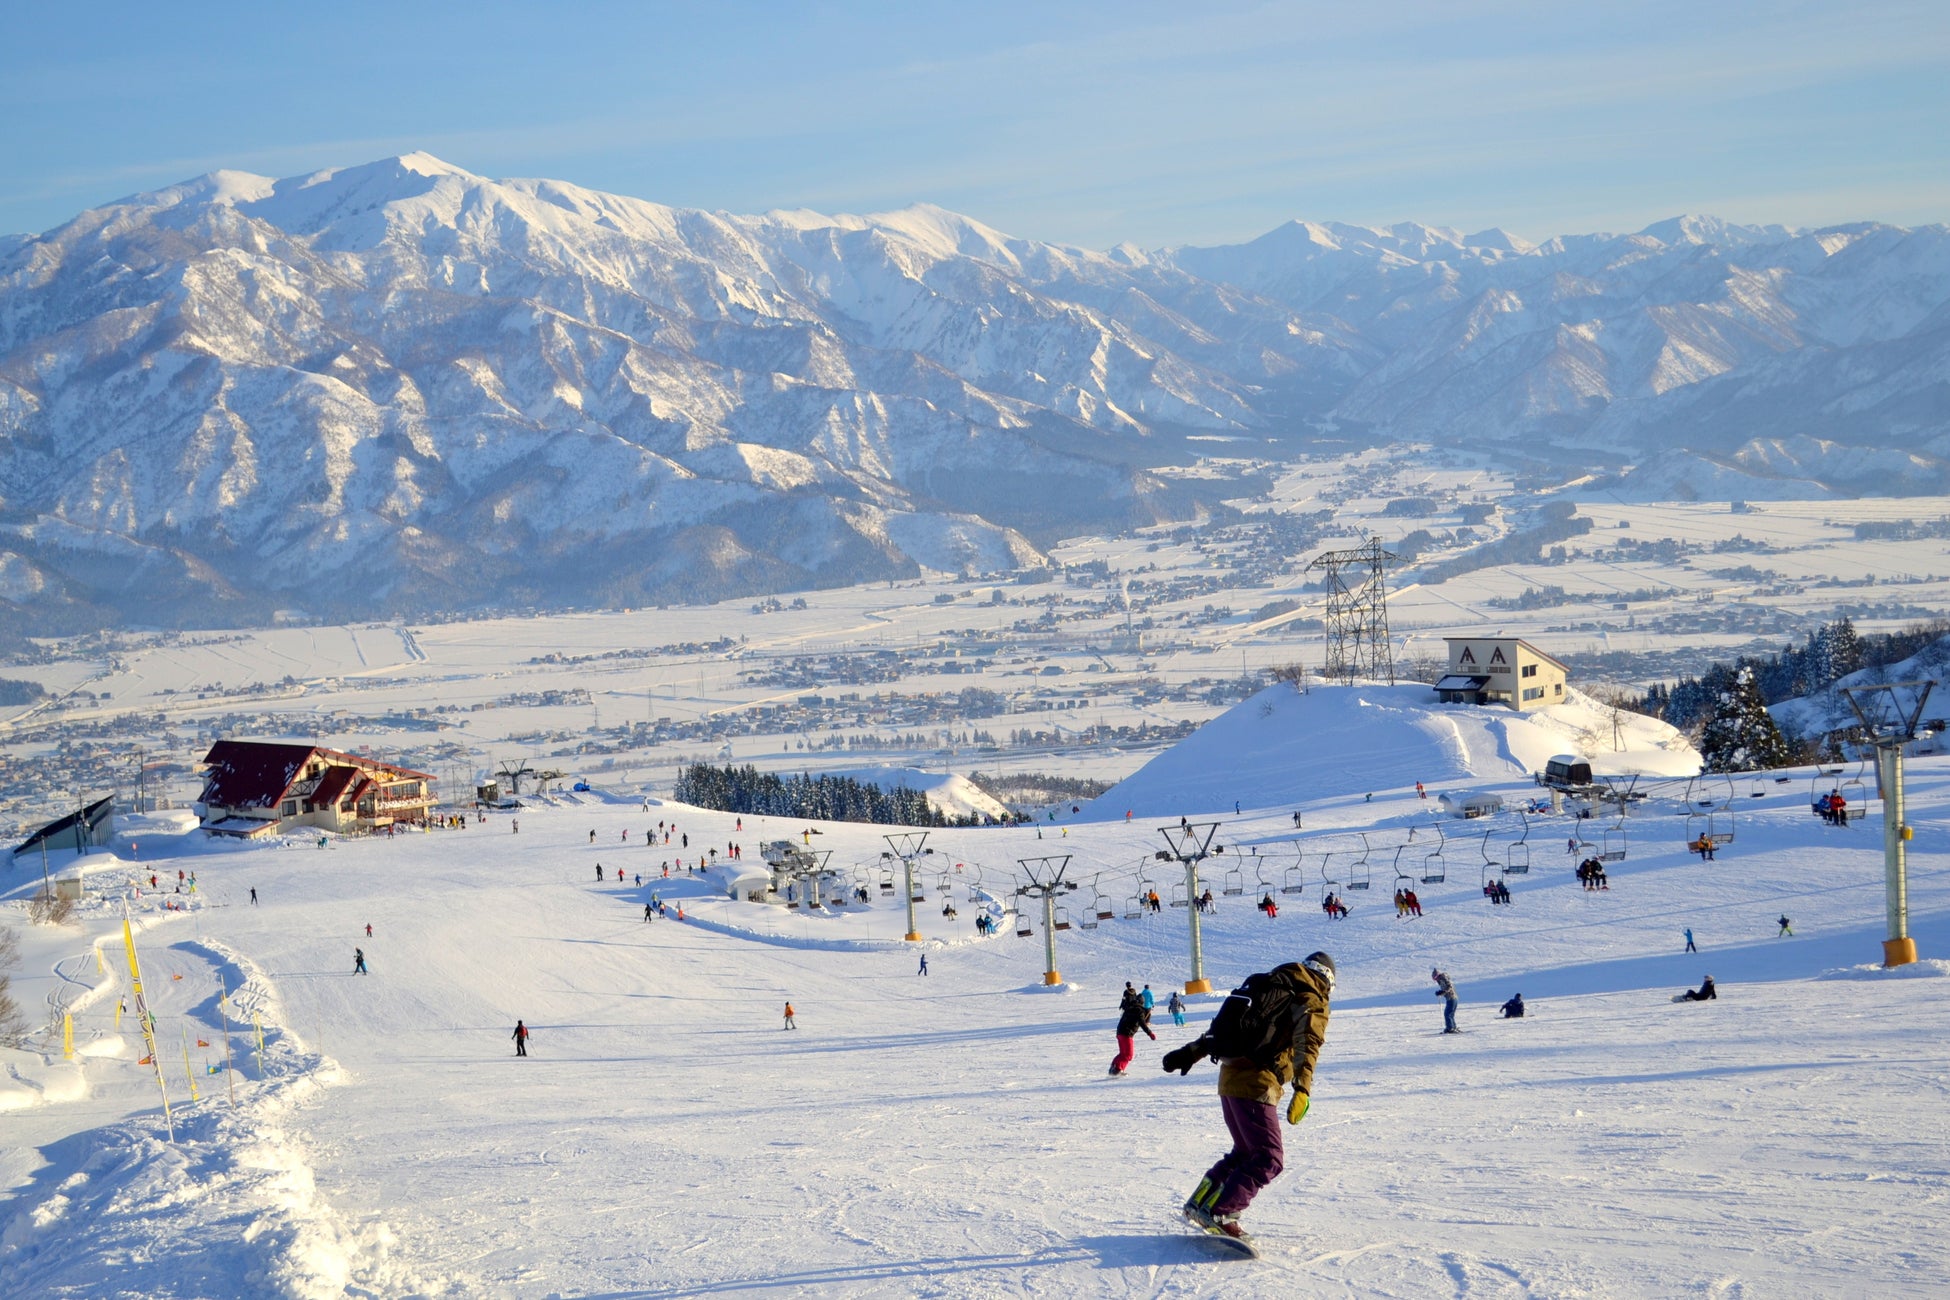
column 1928, row 968
column 1283, row 747
column 948, row 794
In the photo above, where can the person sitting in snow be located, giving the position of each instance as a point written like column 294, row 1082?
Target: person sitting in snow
column 1513, row 1009
column 1704, row 993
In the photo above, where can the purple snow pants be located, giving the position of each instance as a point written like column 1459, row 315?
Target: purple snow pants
column 1256, row 1157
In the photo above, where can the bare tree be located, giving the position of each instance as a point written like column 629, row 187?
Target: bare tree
column 13, row 1026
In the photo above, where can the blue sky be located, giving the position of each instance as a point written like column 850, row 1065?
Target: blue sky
column 1087, row 123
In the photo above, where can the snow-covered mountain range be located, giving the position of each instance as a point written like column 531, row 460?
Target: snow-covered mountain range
column 404, row 386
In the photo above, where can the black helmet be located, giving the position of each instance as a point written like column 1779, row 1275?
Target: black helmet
column 1320, row 961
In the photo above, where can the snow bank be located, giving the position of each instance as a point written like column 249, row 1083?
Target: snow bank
column 1285, row 747
column 948, row 794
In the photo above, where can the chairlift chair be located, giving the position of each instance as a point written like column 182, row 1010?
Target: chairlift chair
column 1614, row 846
column 1820, row 784
column 1719, row 827
column 1235, row 882
column 1100, row 905
column 1023, row 928
column 1062, row 917
column 1134, row 907
column 1490, row 864
column 1265, row 885
column 1294, row 879
column 1088, row 920
column 886, row 880
column 1327, row 882
column 1358, row 871
column 1402, row 879
column 1178, row 896
column 1435, row 868
column 1856, row 792
column 1517, row 854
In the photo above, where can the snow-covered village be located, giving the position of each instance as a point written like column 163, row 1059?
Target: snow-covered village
column 614, row 689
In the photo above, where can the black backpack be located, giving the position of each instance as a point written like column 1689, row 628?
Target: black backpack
column 1255, row 1021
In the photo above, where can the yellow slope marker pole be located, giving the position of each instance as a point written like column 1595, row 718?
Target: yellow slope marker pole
column 187, row 1072
column 67, row 1036
column 223, row 1001
column 147, row 1021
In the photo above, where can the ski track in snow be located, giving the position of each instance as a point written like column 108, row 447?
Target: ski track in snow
column 954, row 1135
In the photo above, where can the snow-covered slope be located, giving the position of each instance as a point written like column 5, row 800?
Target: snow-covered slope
column 460, row 389
column 1338, row 741
column 954, row 1135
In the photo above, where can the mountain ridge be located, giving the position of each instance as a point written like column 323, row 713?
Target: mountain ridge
column 476, row 392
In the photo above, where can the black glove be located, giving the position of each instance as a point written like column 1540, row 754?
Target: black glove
column 1182, row 1059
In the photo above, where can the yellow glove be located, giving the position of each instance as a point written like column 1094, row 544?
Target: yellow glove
column 1296, row 1109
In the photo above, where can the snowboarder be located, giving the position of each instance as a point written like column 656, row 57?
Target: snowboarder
column 1689, row 940
column 521, row 1039
column 1513, row 1009
column 924, row 965
column 358, row 961
column 1704, row 993
column 1250, row 1091
column 599, row 871
column 790, row 1023
column 1447, row 992
column 253, row 895
column 368, row 929
column 1130, row 1018
column 647, row 912
column 1177, row 1008
column 1787, row 927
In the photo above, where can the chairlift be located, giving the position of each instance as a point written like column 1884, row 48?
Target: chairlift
column 1327, row 882
column 1856, row 792
column 1358, row 870
column 1614, row 846
column 1100, row 906
column 1090, row 918
column 1719, row 827
column 1062, row 917
column 1178, row 896
column 1490, row 864
column 920, row 892
column 1265, row 885
column 1294, row 879
column 1235, row 882
column 886, row 880
column 1820, row 784
column 975, row 887
column 1134, row 907
column 1435, row 868
column 1402, row 879
column 1517, row 854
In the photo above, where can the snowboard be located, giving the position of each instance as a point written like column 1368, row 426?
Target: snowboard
column 1237, row 1245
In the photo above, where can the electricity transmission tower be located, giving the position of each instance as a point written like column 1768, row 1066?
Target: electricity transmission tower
column 1357, row 613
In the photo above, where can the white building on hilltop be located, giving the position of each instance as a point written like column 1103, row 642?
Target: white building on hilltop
column 1501, row 670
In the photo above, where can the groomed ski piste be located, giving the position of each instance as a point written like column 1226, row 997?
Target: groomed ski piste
column 955, row 1134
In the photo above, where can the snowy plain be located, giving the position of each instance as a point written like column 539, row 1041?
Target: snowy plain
column 955, row 1134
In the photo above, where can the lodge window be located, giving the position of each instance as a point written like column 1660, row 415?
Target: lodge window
column 290, row 807
column 1530, row 670
column 1533, row 692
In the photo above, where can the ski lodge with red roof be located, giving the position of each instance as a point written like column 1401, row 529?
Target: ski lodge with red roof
column 255, row 788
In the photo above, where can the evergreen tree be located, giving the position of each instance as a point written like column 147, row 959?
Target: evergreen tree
column 1741, row 735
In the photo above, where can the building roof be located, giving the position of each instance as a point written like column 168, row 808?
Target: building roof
column 1462, row 682
column 1541, row 654
column 260, row 773
column 332, row 786
column 92, row 816
column 252, row 773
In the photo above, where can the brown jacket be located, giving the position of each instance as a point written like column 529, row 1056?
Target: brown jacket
column 1246, row 1079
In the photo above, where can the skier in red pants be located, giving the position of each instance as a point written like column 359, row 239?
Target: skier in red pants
column 1250, row 1091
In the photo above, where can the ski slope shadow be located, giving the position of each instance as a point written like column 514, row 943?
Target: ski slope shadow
column 1757, row 961
column 1156, row 1250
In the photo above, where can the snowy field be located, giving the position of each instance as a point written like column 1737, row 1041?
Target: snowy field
column 955, row 1134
